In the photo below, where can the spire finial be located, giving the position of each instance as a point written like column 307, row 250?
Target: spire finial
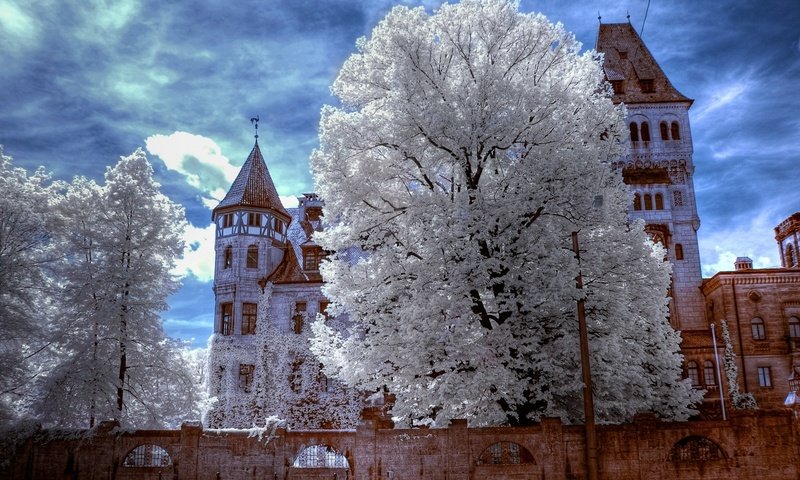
column 254, row 121
column 628, row 12
column 599, row 18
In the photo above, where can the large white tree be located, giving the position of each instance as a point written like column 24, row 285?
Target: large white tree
column 469, row 144
column 119, row 243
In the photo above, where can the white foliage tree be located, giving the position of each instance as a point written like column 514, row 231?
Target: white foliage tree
column 119, row 243
column 468, row 146
column 24, row 256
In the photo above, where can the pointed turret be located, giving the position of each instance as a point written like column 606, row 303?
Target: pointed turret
column 631, row 68
column 253, row 188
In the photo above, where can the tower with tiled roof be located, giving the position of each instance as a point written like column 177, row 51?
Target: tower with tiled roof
column 658, row 166
column 267, row 289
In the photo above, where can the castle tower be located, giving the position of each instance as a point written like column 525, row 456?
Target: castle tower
column 787, row 234
column 658, row 166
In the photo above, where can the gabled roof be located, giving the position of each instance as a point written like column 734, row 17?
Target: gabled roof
column 628, row 60
column 253, row 187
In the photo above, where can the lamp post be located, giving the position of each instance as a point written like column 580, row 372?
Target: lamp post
column 592, row 471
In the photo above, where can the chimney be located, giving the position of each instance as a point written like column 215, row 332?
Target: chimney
column 743, row 263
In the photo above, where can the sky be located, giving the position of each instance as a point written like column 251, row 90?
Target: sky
column 84, row 82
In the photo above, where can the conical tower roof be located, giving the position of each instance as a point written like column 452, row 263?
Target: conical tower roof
column 627, row 60
column 253, row 187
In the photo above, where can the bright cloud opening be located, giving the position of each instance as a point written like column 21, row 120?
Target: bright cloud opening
column 198, row 255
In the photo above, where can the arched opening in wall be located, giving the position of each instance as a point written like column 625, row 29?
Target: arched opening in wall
column 227, row 257
column 678, row 251
column 790, row 256
column 634, row 131
column 645, row 132
column 637, row 201
column 664, row 130
column 320, row 456
column 648, row 202
column 794, row 328
column 252, row 256
column 659, row 201
column 708, row 373
column 147, row 455
column 693, row 373
column 757, row 329
column 695, row 449
column 676, row 131
column 505, row 453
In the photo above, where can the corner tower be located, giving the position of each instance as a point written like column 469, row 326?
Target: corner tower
column 658, row 166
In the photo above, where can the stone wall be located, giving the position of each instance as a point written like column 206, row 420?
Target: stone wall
column 763, row 445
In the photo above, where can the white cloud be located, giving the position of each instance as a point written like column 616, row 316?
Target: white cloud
column 198, row 255
column 17, row 28
column 199, row 159
column 719, row 249
column 721, row 98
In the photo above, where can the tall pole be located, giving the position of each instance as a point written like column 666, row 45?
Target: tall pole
column 592, row 471
column 719, row 376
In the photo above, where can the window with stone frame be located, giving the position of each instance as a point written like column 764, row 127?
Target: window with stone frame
column 252, row 256
column 147, row 455
column 693, row 373
column 678, row 251
column 245, row 376
column 648, row 201
column 709, row 377
column 634, row 129
column 765, row 377
column 695, row 449
column 794, row 327
column 505, row 453
column 298, row 316
column 227, row 257
column 757, row 329
column 249, row 317
column 676, row 131
column 645, row 131
column 226, row 319
column 659, row 201
column 637, row 201
column 664, row 131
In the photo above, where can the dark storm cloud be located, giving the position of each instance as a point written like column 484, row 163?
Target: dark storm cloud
column 84, row 82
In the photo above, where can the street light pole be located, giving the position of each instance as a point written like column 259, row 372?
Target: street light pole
column 592, row 471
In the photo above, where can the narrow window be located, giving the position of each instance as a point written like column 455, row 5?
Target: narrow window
column 659, row 201
column 794, row 327
column 708, row 373
column 323, row 309
column 645, row 132
column 254, row 219
column 278, row 226
column 249, row 315
column 298, row 317
column 226, row 318
column 648, row 202
column 637, row 201
column 678, row 251
column 252, row 256
column 757, row 327
column 227, row 220
column 245, row 376
column 634, row 132
column 676, row 131
column 764, row 377
column 664, row 131
column 227, row 257
column 693, row 373
column 311, row 258
column 789, row 256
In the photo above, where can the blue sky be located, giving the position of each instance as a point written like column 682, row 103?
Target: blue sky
column 84, row 82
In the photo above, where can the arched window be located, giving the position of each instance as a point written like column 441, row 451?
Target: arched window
column 320, row 456
column 505, row 453
column 648, row 202
column 789, row 256
column 659, row 201
column 227, row 257
column 252, row 256
column 757, row 327
column 637, row 201
column 147, row 455
column 678, row 251
column 708, row 373
column 634, row 132
column 645, row 132
column 676, row 131
column 794, row 327
column 695, row 449
column 664, row 131
column 693, row 372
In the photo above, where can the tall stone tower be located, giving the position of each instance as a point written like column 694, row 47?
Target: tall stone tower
column 787, row 234
column 267, row 290
column 658, row 166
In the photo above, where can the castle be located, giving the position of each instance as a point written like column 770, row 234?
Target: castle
column 266, row 260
